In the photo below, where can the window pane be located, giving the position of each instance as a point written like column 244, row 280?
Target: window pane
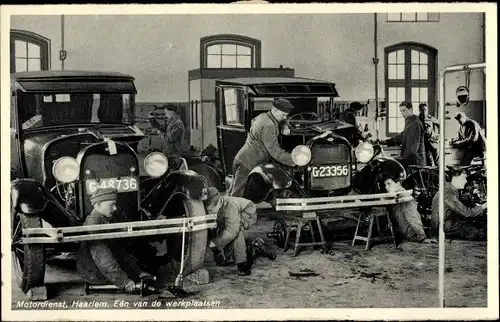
column 423, row 58
column 214, row 49
column 392, row 95
column 392, row 71
column 228, row 61
column 423, row 71
column 244, row 50
column 415, row 71
column 34, row 64
column 433, row 16
column 391, row 59
column 408, row 16
column 401, row 94
column 228, row 49
column 422, row 16
column 21, row 65
column 401, row 71
column 401, row 56
column 394, row 16
column 423, row 94
column 213, row 61
column 414, row 57
column 401, row 125
column 393, row 125
column 33, row 51
column 20, row 47
column 415, row 94
column 393, row 109
column 244, row 62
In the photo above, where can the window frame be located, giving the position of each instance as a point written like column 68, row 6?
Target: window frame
column 33, row 38
column 436, row 19
column 408, row 82
column 230, row 39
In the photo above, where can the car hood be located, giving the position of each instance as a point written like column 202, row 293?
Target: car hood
column 310, row 127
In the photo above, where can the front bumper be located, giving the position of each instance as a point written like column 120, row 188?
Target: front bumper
column 342, row 202
column 118, row 230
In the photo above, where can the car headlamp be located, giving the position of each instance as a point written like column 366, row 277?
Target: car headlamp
column 301, row 155
column 65, row 169
column 364, row 152
column 156, row 164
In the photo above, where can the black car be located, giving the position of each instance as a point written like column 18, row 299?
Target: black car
column 71, row 133
column 331, row 164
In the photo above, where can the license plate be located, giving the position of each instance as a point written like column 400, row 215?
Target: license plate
column 124, row 184
column 325, row 171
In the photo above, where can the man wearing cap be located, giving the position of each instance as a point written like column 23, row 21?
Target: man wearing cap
column 404, row 216
column 261, row 145
column 106, row 261
column 411, row 139
column 234, row 216
column 471, row 139
column 350, row 116
column 173, row 132
column 431, row 135
column 460, row 221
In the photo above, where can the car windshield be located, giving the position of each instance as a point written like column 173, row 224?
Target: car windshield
column 40, row 110
column 318, row 105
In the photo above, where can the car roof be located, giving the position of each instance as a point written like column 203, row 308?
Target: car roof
column 271, row 80
column 68, row 74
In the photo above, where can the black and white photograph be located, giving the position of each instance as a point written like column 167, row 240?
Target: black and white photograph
column 209, row 159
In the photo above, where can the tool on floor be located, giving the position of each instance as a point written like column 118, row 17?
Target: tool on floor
column 145, row 287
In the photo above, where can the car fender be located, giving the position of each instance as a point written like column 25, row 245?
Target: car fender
column 31, row 198
column 186, row 182
column 265, row 178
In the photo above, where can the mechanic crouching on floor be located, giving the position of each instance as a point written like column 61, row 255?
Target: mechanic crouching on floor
column 261, row 145
column 106, row 261
column 405, row 217
column 460, row 221
column 234, row 215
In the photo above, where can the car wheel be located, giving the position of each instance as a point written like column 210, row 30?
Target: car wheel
column 29, row 259
column 195, row 243
column 210, row 174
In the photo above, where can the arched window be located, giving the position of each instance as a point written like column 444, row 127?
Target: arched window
column 410, row 75
column 28, row 51
column 230, row 51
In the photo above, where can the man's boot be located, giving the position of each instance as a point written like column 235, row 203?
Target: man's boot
column 244, row 269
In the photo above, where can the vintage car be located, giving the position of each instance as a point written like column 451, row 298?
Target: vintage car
column 330, row 164
column 73, row 132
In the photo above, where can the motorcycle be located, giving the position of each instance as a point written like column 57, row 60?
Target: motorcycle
column 475, row 189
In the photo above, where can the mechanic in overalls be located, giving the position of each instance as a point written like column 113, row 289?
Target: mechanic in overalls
column 261, row 145
column 107, row 261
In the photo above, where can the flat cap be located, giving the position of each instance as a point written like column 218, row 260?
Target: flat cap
column 101, row 195
column 460, row 115
column 283, row 105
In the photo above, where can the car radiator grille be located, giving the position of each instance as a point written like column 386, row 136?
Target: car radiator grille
column 335, row 156
column 102, row 165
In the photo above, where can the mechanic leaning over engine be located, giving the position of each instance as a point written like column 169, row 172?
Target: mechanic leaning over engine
column 411, row 139
column 106, row 261
column 460, row 221
column 404, row 216
column 234, row 215
column 471, row 139
column 261, row 145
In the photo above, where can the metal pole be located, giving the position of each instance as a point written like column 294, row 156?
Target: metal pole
column 375, row 61
column 442, row 165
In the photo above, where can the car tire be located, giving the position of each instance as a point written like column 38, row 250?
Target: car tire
column 210, row 174
column 194, row 249
column 29, row 259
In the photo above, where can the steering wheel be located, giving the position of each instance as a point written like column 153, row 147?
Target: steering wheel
column 305, row 116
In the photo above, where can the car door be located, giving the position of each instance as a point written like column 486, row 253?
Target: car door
column 15, row 153
column 231, row 131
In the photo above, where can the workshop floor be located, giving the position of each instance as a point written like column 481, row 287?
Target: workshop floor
column 348, row 277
